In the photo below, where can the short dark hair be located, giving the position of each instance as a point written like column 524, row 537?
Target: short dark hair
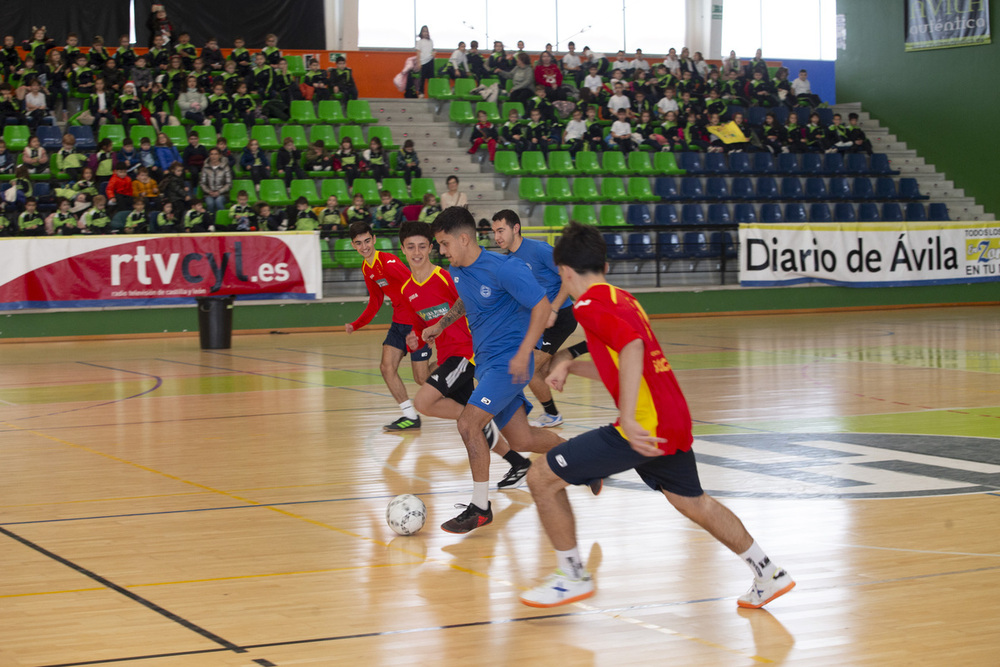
column 414, row 228
column 359, row 228
column 455, row 220
column 340, row 59
column 301, row 200
column 852, row 116
column 510, row 217
column 581, row 248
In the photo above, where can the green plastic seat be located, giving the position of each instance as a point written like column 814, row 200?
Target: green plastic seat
column 265, row 136
column 384, row 134
column 397, row 188
column 345, row 254
column 222, row 220
column 439, row 89
column 585, row 214
column 460, row 111
column 235, row 135
column 421, row 186
column 613, row 189
column 586, row 163
column 304, row 187
column 507, row 106
column 555, row 216
column 336, row 187
column 506, row 163
column 638, row 163
column 491, row 109
column 302, row 112
column 272, row 190
column 530, row 189
column 176, row 134
column 359, row 111
column 325, row 133
column 558, row 190
column 561, row 162
column 665, row 163
column 585, row 190
column 116, row 133
column 246, row 185
column 463, row 89
column 296, row 65
column 207, row 135
column 640, row 190
column 139, row 131
column 327, row 260
column 366, row 187
column 533, row 163
column 613, row 163
column 330, row 111
column 296, row 133
column 353, row 132
column 612, row 215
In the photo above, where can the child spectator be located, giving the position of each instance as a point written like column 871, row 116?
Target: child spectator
column 128, row 156
column 576, row 130
column 137, row 221
column 267, row 221
column 186, row 50
column 230, row 78
column 838, row 136
column 56, row 82
column 241, row 214
column 174, row 78
column 305, row 219
column 98, row 54
column 174, row 189
column 639, row 105
column 477, row 66
column 538, row 133
column 30, row 222
column 114, row 79
column 289, row 162
column 158, row 57
column 500, row 59
column 34, row 156
column 96, row 219
column 6, row 226
column 761, row 91
column 802, row 90
column 82, row 190
column 512, row 133
column 255, row 162
column 348, row 161
column 644, row 131
column 431, row 210
column 220, row 108
column 147, row 158
column 593, row 84
column 193, row 102
column 82, row 77
column 571, row 64
column 36, row 107
column 119, row 190
column 145, row 187
column 342, row 80
column 223, row 147
column 816, row 140
column 216, row 181
column 860, row 142
column 408, row 162
column 142, row 76
column 621, row 133
column 329, row 217
column 10, row 58
column 484, row 132
column 7, row 159
column 270, row 50
column 796, row 134
column 61, row 221
column 458, row 63
column 619, row 101
column 317, row 159
column 595, row 133
column 212, row 56
column 195, row 220
column 205, row 78
column 129, row 107
column 194, row 155
column 773, row 137
column 318, row 80
column 244, row 105
column 390, row 211
column 262, row 76
column 540, row 101
column 160, row 106
column 668, row 102
column 100, row 106
column 283, row 86
column 376, row 160
column 10, row 108
column 241, row 56
column 671, row 132
column 357, row 211
column 166, row 221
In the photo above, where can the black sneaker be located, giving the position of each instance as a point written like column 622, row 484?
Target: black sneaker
column 404, row 423
column 491, row 433
column 596, row 486
column 514, row 477
column 471, row 518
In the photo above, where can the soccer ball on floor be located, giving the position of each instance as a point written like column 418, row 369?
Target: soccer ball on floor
column 406, row 514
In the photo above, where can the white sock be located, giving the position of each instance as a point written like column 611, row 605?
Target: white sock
column 481, row 495
column 761, row 566
column 570, row 564
column 408, row 411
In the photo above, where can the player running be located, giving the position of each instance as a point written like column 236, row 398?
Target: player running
column 652, row 434
column 385, row 275
column 507, row 311
column 429, row 294
column 561, row 323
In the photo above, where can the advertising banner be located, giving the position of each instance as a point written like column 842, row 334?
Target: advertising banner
column 940, row 24
column 869, row 254
column 138, row 270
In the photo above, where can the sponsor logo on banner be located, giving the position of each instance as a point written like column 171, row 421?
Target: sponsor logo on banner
column 939, row 24
column 869, row 254
column 139, row 270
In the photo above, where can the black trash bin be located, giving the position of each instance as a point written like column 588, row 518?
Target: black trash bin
column 215, row 322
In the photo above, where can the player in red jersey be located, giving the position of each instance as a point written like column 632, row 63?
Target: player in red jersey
column 385, row 275
column 429, row 294
column 652, row 434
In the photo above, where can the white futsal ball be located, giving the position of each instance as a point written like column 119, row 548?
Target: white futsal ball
column 406, row 514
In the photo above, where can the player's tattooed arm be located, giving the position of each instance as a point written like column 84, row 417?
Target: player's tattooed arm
column 456, row 313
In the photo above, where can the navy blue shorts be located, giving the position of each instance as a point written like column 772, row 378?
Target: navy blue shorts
column 497, row 394
column 396, row 337
column 603, row 452
column 553, row 337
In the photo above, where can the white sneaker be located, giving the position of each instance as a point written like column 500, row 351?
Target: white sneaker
column 559, row 589
column 762, row 592
column 547, row 421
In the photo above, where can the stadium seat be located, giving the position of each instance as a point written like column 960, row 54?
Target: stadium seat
column 821, row 212
column 138, row 132
column 692, row 214
column 353, row 132
column 825, row 116
column 558, row 190
column 330, row 112
column 264, row 134
column 507, row 106
column 335, row 187
column 915, row 212
column 722, row 244
column 891, row 212
column 812, row 163
column 561, row 163
column 585, row 214
column 272, row 191
column 296, row 65
column 529, row 188
column 696, row 245
column 360, row 112
column 640, row 246
column 638, row 164
column 586, row 163
column 613, row 163
column 296, row 133
column 367, row 188
column 16, row 137
column 833, row 164
column 585, row 190
column 795, row 213
column 788, row 163
column 791, row 187
column 718, row 214
column 839, row 188
column 397, row 188
column 857, row 164
column 616, row 247
column 639, row 190
column 862, row 189
column 771, row 213
column 867, row 212
column 420, row 187
column 463, row 90
column 555, row 216
column 612, row 216
column 235, row 135
column 815, row 189
column 757, row 115
column 492, row 111
column 665, row 187
column 880, row 165
column 384, row 134
column 304, row 187
column 206, row 135
column 245, row 185
column 302, row 112
column 665, row 214
column 767, row 187
column 506, row 163
column 665, row 162
column 716, row 188
column 715, row 163
column 938, row 212
column 533, row 163
column 691, row 188
column 739, row 163
column 744, row 214
column 460, row 111
column 613, row 189
column 51, row 137
column 116, row 133
column 671, row 246
column 691, row 163
column 439, row 89
column 844, row 212
column 345, row 255
column 742, row 187
column 885, row 188
column 909, row 189
column 638, row 214
column 763, row 163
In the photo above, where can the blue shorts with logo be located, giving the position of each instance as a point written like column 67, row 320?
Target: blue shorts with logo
column 396, row 337
column 498, row 394
column 603, row 452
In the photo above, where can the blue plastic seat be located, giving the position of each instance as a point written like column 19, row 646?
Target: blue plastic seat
column 691, row 188
column 693, row 163
column 880, row 165
column 50, row 136
column 788, row 163
column 671, row 246
column 915, row 212
column 767, row 188
column 867, row 212
column 839, row 188
column 825, row 116
column 617, row 249
column 909, row 189
column 744, row 214
column 862, row 188
column 857, row 164
column 885, row 188
column 763, row 163
column 665, row 187
column 771, row 213
column 938, row 212
column 640, row 246
column 665, row 214
column 716, row 188
column 742, row 188
column 812, row 163
column 692, row 214
column 757, row 115
column 833, row 164
column 715, row 163
column 816, row 189
column 795, row 212
column 697, row 245
column 722, row 244
column 734, row 109
column 791, row 188
column 891, row 212
column 844, row 212
column 84, row 137
column 718, row 214
column 821, row 212
column 638, row 214
column 739, row 163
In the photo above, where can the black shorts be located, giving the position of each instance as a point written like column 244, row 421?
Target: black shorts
column 556, row 335
column 454, row 379
column 396, row 337
column 603, row 452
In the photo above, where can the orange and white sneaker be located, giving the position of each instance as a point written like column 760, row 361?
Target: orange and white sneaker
column 559, row 589
column 762, row 592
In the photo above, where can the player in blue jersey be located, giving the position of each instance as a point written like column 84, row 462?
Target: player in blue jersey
column 561, row 322
column 507, row 311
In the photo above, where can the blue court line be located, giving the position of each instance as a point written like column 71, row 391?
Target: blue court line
column 159, row 383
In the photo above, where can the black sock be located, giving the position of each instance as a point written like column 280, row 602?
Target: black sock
column 550, row 407
column 515, row 459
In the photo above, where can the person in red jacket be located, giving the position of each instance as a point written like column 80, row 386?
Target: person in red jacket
column 119, row 190
column 548, row 74
column 385, row 274
column 484, row 133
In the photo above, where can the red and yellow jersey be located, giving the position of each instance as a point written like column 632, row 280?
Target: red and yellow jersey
column 428, row 302
column 612, row 318
column 384, row 277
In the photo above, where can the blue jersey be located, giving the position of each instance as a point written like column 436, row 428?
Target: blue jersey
column 538, row 256
column 499, row 293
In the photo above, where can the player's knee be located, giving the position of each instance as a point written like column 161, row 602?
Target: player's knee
column 467, row 429
column 541, row 479
column 387, row 368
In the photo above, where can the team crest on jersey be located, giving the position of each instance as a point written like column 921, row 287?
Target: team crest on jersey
column 485, row 291
column 382, row 282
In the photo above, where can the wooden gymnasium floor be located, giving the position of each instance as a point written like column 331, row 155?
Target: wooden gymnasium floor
column 163, row 506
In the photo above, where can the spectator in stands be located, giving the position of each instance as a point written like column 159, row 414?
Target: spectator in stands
column 167, row 221
column 10, row 108
column 409, row 163
column 159, row 24
column 61, row 221
column 389, row 214
column 220, row 108
column 732, row 64
column 425, row 57
column 288, row 161
column 96, row 219
column 575, row 133
column 500, row 59
column 593, row 86
column 773, row 137
column 158, row 57
column 271, row 51
column 82, row 77
column 477, row 65
column 195, row 219
column 375, row 158
column 216, row 181
column 318, row 80
column 145, row 187
column 194, row 155
column 816, row 139
column 56, row 82
column 512, row 132
column 129, row 107
column 430, row 210
column 166, row 154
column 98, row 55
column 782, row 86
column 241, row 214
column 802, row 90
column 119, row 190
column 761, row 91
column 521, row 78
column 595, row 133
column 756, row 64
column 838, row 136
column 701, row 67
column 30, row 222
column 317, row 158
column 205, row 78
column 174, row 188
column 857, row 135
column 186, row 50
column 193, row 103
column 262, row 77
column 342, row 80
column 7, row 159
column 548, row 74
column 283, row 86
column 620, row 136
column 241, row 56
column 160, row 106
column 667, row 103
column 212, row 56
column 142, row 76
column 244, row 105
column 348, row 159
column 621, row 63
column 795, row 134
column 36, row 107
column 572, row 65
column 619, row 101
column 357, row 211
column 128, row 156
column 305, row 219
column 137, row 221
column 329, row 217
column 125, row 56
column 539, row 133
column 453, row 197
column 34, row 157
column 484, row 132
column 174, row 78
column 10, row 58
column 458, row 63
column 147, row 157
